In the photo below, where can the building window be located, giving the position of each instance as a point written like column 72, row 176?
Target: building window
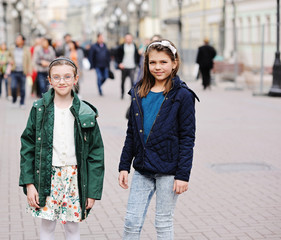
column 249, row 30
column 258, row 27
column 240, row 30
column 268, row 29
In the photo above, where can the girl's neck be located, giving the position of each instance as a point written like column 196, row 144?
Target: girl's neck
column 159, row 86
column 63, row 101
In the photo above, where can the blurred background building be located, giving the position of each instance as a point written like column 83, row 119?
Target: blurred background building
column 238, row 29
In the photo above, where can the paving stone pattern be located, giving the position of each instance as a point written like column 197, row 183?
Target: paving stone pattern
column 234, row 202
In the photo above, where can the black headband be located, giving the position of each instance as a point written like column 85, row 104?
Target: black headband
column 63, row 59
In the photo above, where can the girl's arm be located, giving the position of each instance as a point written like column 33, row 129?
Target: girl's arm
column 27, row 152
column 128, row 149
column 186, row 119
column 95, row 165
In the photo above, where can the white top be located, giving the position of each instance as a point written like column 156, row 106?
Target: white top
column 129, row 56
column 63, row 138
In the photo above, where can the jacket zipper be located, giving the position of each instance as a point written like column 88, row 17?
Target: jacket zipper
column 139, row 108
column 40, row 162
column 81, row 137
column 85, row 138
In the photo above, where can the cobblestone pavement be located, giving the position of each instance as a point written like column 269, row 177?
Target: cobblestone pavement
column 234, row 190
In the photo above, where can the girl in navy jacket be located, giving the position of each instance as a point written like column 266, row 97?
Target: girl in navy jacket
column 160, row 140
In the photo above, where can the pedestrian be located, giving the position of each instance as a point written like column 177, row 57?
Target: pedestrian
column 62, row 155
column 160, row 140
column 35, row 88
column 127, row 58
column 21, row 66
column 43, row 55
column 76, row 54
column 67, row 39
column 4, row 61
column 205, row 56
column 99, row 58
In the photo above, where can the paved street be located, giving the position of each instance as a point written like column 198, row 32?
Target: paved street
column 234, row 191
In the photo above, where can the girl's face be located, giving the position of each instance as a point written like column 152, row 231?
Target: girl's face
column 160, row 65
column 62, row 79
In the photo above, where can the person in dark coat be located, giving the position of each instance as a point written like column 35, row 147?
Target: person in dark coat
column 205, row 56
column 99, row 58
column 159, row 142
column 127, row 58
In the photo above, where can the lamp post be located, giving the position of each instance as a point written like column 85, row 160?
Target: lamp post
column 3, row 21
column 138, row 6
column 276, row 85
column 116, row 19
column 180, row 28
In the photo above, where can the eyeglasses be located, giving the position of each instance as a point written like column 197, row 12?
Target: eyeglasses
column 66, row 78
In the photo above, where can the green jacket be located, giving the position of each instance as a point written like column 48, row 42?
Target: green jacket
column 37, row 149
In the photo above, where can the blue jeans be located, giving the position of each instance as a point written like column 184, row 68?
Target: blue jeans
column 18, row 79
column 42, row 82
column 6, row 84
column 102, row 75
column 141, row 192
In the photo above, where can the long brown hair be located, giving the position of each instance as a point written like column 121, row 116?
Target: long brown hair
column 148, row 81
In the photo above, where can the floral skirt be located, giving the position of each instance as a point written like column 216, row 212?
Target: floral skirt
column 63, row 204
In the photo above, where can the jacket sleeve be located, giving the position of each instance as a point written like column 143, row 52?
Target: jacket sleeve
column 137, row 56
column 119, row 54
column 91, row 57
column 36, row 57
column 186, row 136
column 198, row 57
column 27, row 152
column 95, row 165
column 128, row 149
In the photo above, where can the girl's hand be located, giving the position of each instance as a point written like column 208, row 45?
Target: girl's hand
column 123, row 179
column 180, row 186
column 90, row 203
column 32, row 196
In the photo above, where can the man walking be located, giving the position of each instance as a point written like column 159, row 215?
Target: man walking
column 99, row 58
column 205, row 56
column 43, row 55
column 127, row 58
column 20, row 60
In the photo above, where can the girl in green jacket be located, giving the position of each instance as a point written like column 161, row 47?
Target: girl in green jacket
column 62, row 155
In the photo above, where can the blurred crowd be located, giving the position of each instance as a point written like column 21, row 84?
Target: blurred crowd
column 23, row 66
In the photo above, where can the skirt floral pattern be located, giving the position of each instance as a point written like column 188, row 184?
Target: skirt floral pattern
column 63, row 204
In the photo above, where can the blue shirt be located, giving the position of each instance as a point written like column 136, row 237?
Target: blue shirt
column 151, row 105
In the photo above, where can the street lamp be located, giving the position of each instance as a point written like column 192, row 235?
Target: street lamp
column 180, row 28
column 3, row 21
column 140, row 7
column 276, row 85
column 116, row 18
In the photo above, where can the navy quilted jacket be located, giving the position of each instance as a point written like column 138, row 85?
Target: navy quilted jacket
column 169, row 146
